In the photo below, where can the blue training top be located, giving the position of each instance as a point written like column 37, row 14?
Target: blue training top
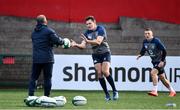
column 155, row 49
column 93, row 34
column 43, row 39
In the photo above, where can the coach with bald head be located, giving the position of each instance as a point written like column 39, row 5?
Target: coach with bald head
column 43, row 40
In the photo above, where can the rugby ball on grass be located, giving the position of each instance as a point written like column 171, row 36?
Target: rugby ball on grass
column 46, row 101
column 79, row 101
column 61, row 100
column 67, row 43
column 30, row 101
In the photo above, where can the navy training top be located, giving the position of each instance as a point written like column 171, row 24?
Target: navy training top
column 93, row 34
column 155, row 48
column 43, row 40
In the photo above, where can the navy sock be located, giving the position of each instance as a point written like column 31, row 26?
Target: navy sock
column 103, row 85
column 111, row 82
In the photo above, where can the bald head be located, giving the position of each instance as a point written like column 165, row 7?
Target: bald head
column 41, row 19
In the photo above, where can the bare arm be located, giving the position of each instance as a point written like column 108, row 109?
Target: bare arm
column 82, row 45
column 96, row 41
column 85, row 41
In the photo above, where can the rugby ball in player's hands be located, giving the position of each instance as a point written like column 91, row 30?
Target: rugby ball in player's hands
column 30, row 101
column 79, row 101
column 67, row 43
column 46, row 101
column 61, row 100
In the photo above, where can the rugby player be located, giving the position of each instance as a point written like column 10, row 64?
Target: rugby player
column 157, row 51
column 95, row 35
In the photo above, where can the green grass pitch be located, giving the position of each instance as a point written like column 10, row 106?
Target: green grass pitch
column 13, row 99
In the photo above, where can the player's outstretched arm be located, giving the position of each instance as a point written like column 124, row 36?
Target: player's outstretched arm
column 96, row 41
column 142, row 52
column 82, row 45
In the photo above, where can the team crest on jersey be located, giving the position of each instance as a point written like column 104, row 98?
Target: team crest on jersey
column 146, row 46
column 89, row 36
column 95, row 61
column 152, row 46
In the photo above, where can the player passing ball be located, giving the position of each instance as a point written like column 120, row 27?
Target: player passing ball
column 95, row 35
column 157, row 51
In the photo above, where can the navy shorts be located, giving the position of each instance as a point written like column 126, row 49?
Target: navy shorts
column 100, row 58
column 160, row 69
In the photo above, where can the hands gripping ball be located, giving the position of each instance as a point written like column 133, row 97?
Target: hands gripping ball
column 79, row 101
column 67, row 43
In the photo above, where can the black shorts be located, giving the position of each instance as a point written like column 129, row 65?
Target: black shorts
column 100, row 58
column 160, row 69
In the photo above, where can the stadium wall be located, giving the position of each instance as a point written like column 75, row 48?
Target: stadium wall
column 103, row 10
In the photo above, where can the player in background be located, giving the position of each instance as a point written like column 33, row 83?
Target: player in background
column 157, row 51
column 95, row 35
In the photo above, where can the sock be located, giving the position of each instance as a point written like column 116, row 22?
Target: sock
column 111, row 82
column 103, row 85
column 171, row 88
column 155, row 88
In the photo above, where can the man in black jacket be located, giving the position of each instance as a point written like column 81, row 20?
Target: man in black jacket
column 43, row 40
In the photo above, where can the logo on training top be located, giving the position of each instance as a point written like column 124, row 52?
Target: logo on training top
column 89, row 36
column 92, row 35
column 95, row 61
column 152, row 46
column 146, row 45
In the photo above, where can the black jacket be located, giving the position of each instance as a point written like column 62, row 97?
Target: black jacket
column 43, row 39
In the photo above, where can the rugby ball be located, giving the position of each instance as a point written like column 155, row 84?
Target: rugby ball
column 46, row 101
column 61, row 100
column 67, row 43
column 79, row 101
column 30, row 101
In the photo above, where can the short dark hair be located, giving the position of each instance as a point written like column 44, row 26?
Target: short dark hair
column 41, row 19
column 90, row 18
